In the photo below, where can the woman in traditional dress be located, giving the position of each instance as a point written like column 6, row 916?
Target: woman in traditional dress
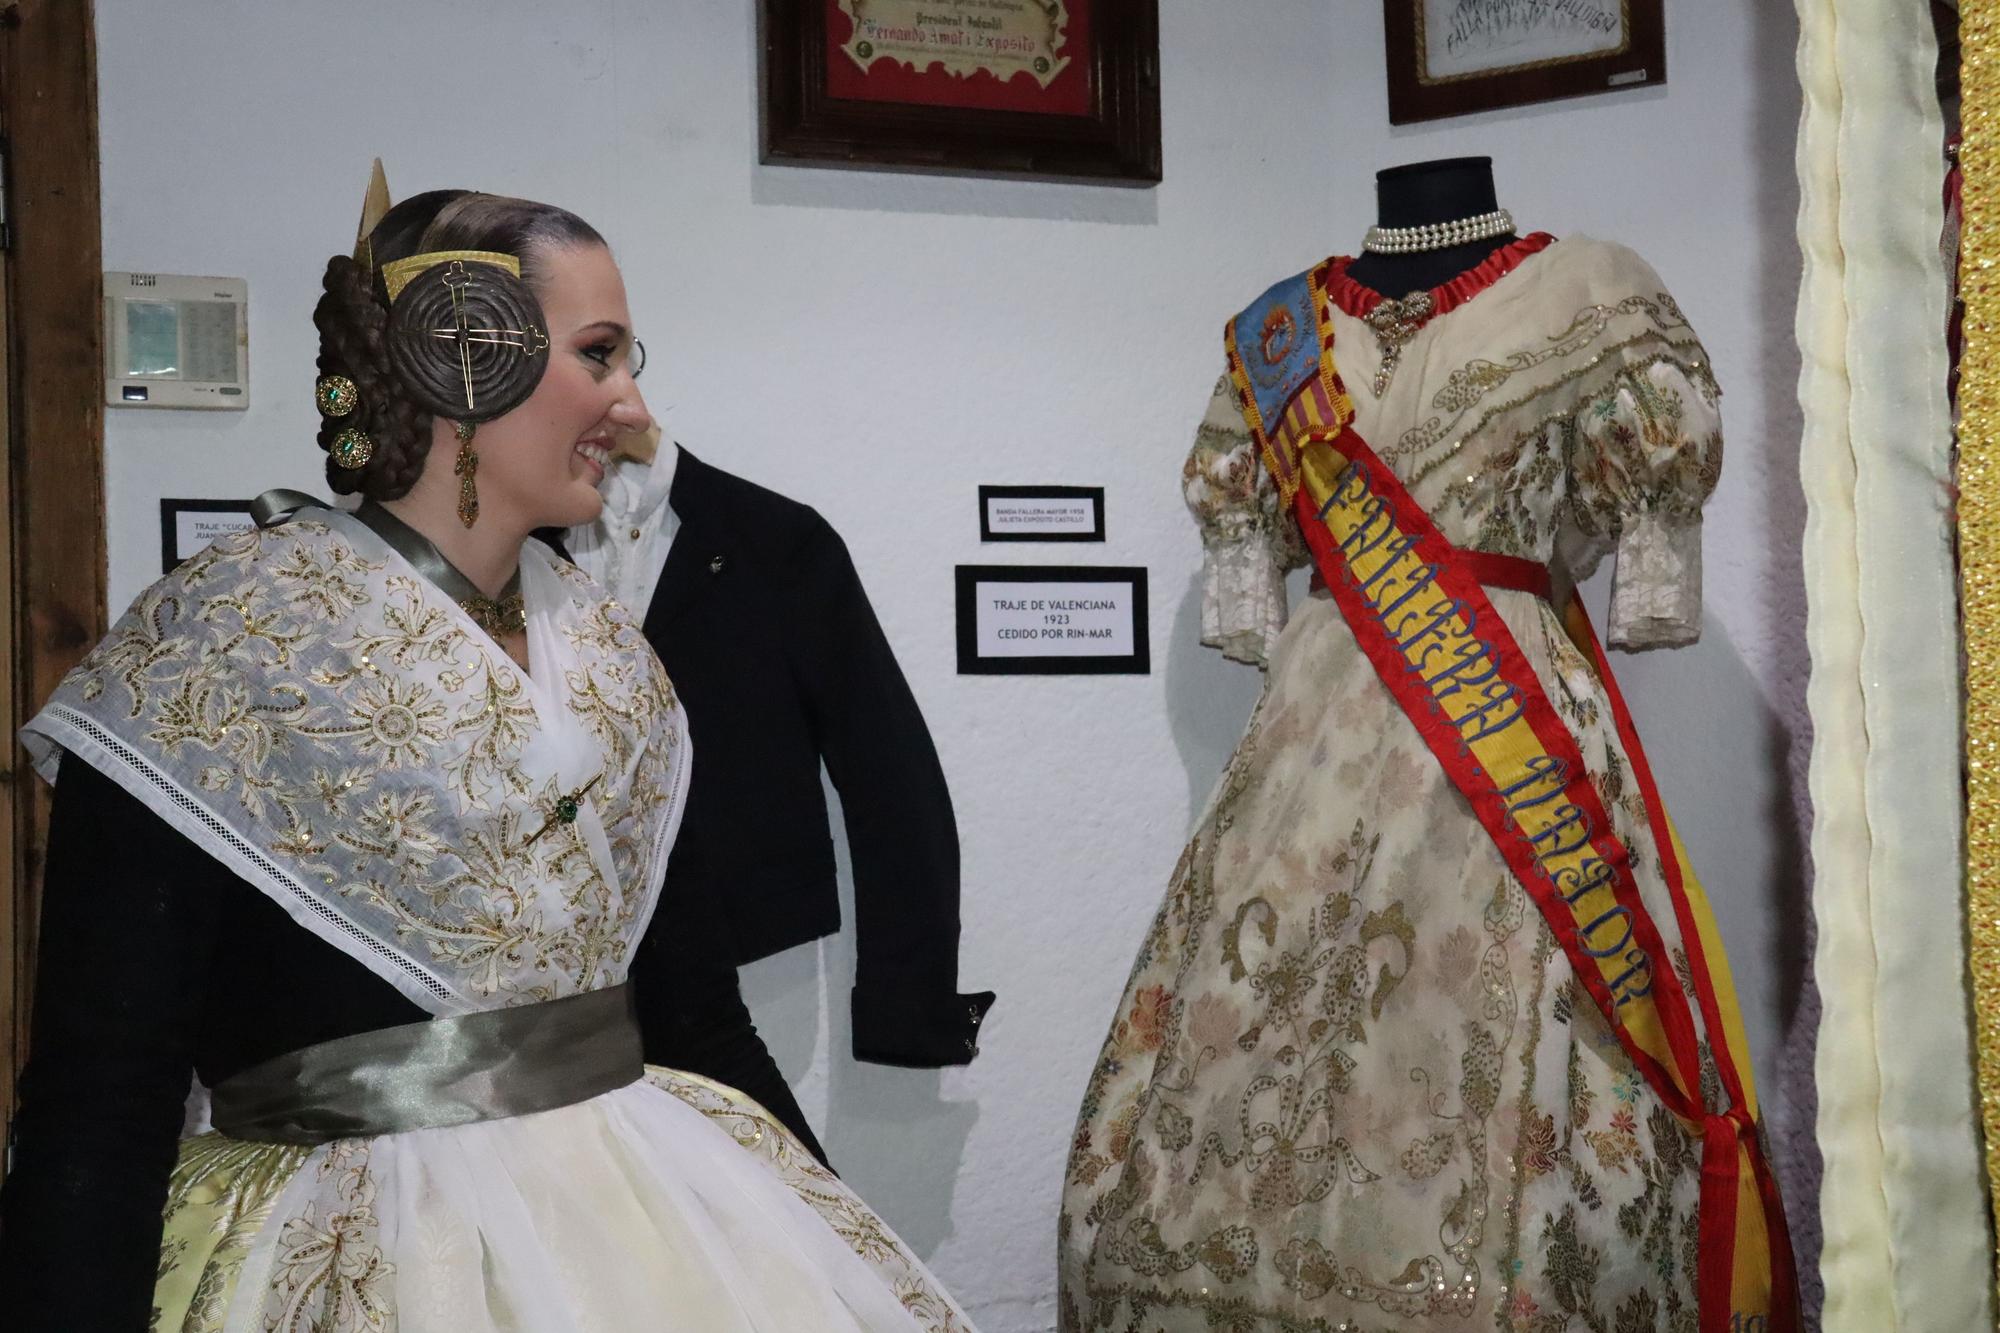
column 1431, row 1031
column 361, row 817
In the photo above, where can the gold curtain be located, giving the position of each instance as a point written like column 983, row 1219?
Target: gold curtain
column 1979, row 539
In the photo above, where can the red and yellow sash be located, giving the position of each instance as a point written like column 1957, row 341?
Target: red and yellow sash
column 1417, row 606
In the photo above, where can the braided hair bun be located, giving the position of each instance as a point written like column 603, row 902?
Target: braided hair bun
column 479, row 375
column 403, row 373
column 353, row 327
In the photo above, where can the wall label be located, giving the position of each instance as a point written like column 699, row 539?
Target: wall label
column 186, row 526
column 1041, row 513
column 1052, row 620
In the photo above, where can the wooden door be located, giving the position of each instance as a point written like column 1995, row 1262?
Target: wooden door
column 52, row 572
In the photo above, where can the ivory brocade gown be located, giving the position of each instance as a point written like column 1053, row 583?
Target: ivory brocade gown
column 1354, row 1083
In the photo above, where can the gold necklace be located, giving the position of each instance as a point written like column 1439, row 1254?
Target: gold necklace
column 497, row 616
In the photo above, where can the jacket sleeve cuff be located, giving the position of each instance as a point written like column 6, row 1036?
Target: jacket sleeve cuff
column 919, row 1029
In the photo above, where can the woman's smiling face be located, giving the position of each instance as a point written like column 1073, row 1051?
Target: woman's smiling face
column 540, row 464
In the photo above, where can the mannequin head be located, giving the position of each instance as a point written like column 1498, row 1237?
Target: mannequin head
column 1417, row 193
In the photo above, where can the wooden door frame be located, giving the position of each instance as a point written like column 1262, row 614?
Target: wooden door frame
column 52, row 563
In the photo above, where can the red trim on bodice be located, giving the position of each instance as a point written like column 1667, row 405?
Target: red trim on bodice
column 1358, row 299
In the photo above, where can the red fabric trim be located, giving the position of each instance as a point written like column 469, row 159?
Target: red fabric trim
column 1656, row 818
column 1357, row 299
column 1784, row 1276
column 1493, row 571
column 1714, row 1282
column 1675, row 1019
column 1785, row 1314
column 1507, row 571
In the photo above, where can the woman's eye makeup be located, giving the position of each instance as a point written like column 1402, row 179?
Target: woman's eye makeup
column 609, row 346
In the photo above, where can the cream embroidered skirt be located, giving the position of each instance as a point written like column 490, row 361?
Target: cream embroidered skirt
column 670, row 1204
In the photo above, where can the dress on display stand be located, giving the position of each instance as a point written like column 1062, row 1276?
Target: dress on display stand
column 1433, row 1030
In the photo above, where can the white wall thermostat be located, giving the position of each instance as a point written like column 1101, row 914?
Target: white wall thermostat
column 176, row 341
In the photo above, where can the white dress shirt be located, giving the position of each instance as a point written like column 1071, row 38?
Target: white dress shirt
column 627, row 546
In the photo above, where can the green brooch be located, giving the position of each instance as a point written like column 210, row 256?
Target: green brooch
column 565, row 809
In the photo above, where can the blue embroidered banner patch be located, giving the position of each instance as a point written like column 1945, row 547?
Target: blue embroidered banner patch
column 1277, row 341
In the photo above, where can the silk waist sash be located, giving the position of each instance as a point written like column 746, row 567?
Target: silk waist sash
column 487, row 1065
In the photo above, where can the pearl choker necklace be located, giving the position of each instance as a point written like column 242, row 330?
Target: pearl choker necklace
column 1438, row 235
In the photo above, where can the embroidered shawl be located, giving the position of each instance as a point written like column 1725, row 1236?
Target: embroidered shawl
column 303, row 705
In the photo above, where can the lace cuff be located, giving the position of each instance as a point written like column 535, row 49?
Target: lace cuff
column 1243, row 603
column 1656, row 588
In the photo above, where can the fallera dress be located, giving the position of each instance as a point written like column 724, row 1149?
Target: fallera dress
column 1355, row 1082
column 312, row 711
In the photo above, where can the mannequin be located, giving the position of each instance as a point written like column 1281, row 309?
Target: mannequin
column 1422, row 192
column 1482, row 1142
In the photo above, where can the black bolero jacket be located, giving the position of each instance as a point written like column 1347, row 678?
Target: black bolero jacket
column 763, row 626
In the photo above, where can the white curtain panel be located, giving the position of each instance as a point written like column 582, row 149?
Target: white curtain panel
column 1908, row 1245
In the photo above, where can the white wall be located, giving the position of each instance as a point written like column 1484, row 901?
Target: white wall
column 878, row 345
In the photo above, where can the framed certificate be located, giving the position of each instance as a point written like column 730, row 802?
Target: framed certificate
column 1040, row 89
column 1451, row 57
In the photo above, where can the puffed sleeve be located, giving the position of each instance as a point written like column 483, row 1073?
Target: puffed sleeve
column 1644, row 456
column 1248, row 543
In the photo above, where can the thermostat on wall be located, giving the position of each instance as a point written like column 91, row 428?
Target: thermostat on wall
column 176, row 341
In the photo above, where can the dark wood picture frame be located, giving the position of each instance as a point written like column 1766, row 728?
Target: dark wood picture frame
column 1640, row 63
column 1116, row 143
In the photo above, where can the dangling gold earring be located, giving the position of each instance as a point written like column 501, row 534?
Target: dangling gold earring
column 465, row 468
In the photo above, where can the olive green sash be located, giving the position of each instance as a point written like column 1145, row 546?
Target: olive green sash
column 487, row 1065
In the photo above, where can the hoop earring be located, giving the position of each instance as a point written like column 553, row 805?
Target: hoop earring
column 466, row 467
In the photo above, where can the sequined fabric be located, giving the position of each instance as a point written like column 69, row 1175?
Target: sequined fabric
column 1353, row 1083
column 306, row 707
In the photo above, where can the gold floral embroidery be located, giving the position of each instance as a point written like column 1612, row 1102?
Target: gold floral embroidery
column 329, row 583
column 757, row 1132
column 1467, row 385
column 329, row 1274
column 1623, row 450
column 369, row 757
